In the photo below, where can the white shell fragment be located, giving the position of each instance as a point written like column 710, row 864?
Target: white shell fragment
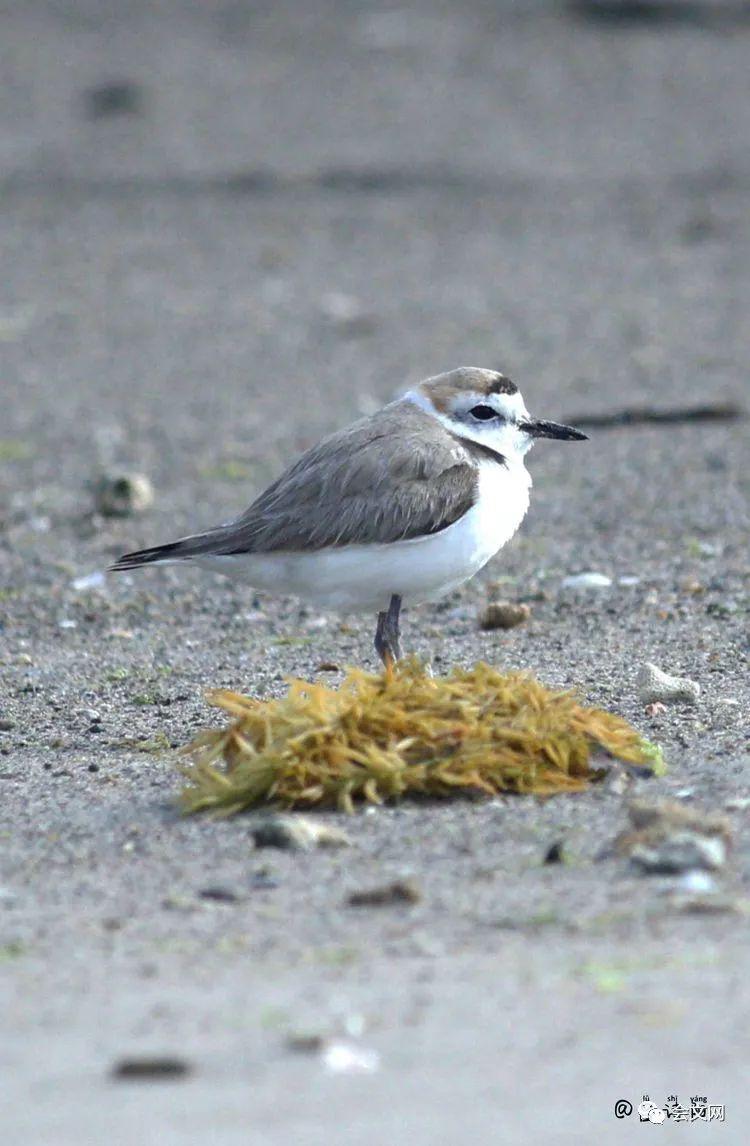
column 123, row 494
column 658, row 687
column 95, row 580
column 348, row 1058
column 586, row 581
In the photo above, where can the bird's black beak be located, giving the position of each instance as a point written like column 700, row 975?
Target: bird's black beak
column 541, row 429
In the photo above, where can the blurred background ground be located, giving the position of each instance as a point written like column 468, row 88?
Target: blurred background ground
column 226, row 229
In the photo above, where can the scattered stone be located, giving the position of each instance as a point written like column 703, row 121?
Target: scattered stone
column 297, row 833
column 658, row 687
column 399, row 891
column 263, row 880
column 715, row 903
column 328, row 666
column 667, row 838
column 698, row 893
column 587, row 581
column 655, row 709
column 151, row 1069
column 178, row 903
column 504, row 615
column 617, row 780
column 721, row 609
column 306, row 1043
column 628, row 581
column 219, row 894
column 681, row 851
column 346, row 313
column 113, row 98
column 644, row 814
column 123, row 494
column 315, row 624
column 7, row 725
column 738, row 804
column 555, row 853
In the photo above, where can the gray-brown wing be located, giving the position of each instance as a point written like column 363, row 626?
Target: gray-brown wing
column 390, row 477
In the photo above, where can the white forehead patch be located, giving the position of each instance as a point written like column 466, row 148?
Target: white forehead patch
column 511, row 406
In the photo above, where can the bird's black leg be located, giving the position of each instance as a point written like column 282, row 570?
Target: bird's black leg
column 388, row 634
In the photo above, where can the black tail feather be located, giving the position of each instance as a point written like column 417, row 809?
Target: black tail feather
column 174, row 550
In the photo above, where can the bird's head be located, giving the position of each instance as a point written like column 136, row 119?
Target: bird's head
column 486, row 407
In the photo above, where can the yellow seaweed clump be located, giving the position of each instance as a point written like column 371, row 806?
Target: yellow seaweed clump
column 381, row 736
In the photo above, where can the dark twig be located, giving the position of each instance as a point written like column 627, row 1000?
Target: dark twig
column 644, row 416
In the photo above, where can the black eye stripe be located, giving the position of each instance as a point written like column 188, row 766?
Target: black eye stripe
column 483, row 413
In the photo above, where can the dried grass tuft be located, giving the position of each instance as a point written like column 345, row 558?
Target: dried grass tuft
column 383, row 736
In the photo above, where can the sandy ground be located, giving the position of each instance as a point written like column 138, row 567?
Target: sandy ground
column 286, row 214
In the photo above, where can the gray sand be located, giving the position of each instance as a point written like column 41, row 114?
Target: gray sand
column 298, row 210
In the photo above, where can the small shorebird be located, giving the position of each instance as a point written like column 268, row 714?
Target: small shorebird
column 404, row 505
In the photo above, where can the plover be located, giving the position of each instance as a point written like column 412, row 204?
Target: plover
column 403, row 505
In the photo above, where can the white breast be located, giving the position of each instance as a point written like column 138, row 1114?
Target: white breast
column 363, row 577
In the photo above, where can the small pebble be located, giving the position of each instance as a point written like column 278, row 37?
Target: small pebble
column 555, row 853
column 120, row 495
column 667, row 814
column 712, row 904
column 297, row 833
column 347, row 314
column 681, row 851
column 151, row 1069
column 586, row 581
column 219, row 894
column 306, row 1043
column 113, row 98
column 263, row 880
column 669, row 838
column 400, row 891
column 504, row 615
column 658, row 687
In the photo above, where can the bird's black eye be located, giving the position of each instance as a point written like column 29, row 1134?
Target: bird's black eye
column 483, row 413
